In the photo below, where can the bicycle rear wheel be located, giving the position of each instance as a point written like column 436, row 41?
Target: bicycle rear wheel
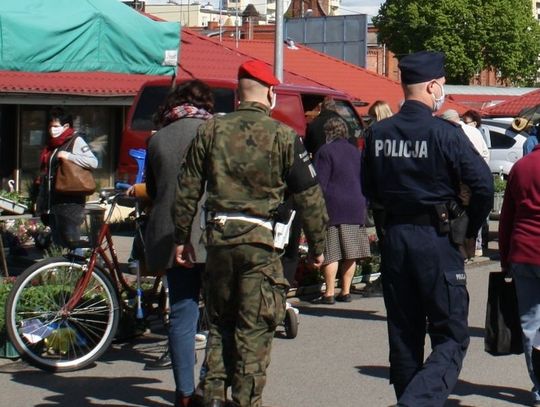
column 53, row 339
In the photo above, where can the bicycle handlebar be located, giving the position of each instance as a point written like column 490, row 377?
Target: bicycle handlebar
column 122, row 186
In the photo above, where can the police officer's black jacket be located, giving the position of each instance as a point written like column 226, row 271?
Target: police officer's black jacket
column 414, row 160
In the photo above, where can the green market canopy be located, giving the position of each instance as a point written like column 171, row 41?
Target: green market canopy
column 85, row 35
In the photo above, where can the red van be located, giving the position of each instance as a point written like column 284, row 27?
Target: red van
column 293, row 106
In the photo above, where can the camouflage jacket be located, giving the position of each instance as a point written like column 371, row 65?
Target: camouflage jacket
column 243, row 158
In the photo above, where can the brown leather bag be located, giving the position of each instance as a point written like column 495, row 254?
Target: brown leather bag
column 72, row 179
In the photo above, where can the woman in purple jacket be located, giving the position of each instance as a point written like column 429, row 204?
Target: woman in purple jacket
column 338, row 168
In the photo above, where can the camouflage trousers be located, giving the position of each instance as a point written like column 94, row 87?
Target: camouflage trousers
column 245, row 300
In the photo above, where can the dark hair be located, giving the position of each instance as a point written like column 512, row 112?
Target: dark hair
column 194, row 92
column 474, row 115
column 329, row 103
column 57, row 113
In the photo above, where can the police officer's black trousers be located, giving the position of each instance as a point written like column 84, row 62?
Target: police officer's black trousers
column 425, row 291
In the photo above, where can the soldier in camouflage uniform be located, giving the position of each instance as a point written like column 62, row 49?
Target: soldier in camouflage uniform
column 247, row 161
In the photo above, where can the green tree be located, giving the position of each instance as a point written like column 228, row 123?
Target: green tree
column 474, row 35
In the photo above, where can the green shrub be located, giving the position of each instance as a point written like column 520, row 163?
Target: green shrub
column 499, row 184
column 5, row 287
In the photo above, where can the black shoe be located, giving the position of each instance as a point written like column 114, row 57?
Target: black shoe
column 197, row 401
column 344, row 298
column 324, row 300
column 164, row 362
column 372, row 292
column 373, row 289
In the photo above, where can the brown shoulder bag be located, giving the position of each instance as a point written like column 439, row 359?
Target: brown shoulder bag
column 72, row 179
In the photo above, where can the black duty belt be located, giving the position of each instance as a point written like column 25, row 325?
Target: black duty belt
column 424, row 219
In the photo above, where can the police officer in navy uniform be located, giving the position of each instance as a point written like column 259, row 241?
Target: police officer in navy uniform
column 413, row 166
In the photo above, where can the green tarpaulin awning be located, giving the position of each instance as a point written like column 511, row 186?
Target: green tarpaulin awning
column 84, row 35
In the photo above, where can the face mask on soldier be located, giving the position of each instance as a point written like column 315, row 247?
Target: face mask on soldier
column 438, row 102
column 271, row 98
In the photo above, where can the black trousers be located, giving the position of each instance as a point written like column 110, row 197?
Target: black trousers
column 424, row 285
column 65, row 222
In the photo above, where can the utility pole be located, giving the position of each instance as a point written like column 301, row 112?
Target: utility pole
column 278, row 46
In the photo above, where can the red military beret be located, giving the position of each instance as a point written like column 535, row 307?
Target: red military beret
column 259, row 71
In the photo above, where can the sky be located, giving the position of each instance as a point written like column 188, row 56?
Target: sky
column 369, row 7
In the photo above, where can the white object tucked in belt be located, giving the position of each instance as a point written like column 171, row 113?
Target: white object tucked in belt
column 222, row 217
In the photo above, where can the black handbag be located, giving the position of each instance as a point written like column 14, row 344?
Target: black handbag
column 503, row 328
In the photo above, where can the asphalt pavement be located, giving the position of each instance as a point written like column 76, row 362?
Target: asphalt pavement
column 338, row 359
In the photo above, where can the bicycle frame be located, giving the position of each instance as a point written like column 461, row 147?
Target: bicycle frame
column 105, row 251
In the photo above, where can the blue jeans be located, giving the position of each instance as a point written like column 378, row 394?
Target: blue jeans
column 527, row 281
column 184, row 287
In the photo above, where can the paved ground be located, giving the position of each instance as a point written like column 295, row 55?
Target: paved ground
column 338, row 359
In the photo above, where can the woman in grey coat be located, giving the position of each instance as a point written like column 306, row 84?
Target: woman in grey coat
column 63, row 212
column 185, row 109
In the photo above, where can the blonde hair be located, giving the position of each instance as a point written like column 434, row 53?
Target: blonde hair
column 380, row 110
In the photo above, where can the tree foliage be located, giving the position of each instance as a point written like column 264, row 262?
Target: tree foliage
column 474, row 35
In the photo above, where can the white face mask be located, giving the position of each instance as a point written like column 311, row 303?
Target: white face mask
column 438, row 102
column 272, row 99
column 55, row 131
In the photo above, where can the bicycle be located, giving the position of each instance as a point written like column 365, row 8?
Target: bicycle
column 63, row 312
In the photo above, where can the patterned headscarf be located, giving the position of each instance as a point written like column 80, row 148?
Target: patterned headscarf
column 335, row 128
column 185, row 110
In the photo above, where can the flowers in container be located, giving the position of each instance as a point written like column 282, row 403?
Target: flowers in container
column 20, row 232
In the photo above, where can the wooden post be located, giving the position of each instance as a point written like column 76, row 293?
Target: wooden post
column 3, row 257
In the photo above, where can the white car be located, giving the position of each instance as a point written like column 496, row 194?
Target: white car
column 506, row 146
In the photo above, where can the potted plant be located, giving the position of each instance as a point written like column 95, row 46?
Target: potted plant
column 12, row 202
column 499, row 185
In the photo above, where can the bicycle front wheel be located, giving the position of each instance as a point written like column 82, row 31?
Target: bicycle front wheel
column 51, row 337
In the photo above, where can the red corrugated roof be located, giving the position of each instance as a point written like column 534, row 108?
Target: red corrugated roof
column 511, row 108
column 205, row 57
column 334, row 73
column 74, row 83
column 480, row 102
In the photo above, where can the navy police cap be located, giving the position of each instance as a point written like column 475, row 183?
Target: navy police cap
column 421, row 66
